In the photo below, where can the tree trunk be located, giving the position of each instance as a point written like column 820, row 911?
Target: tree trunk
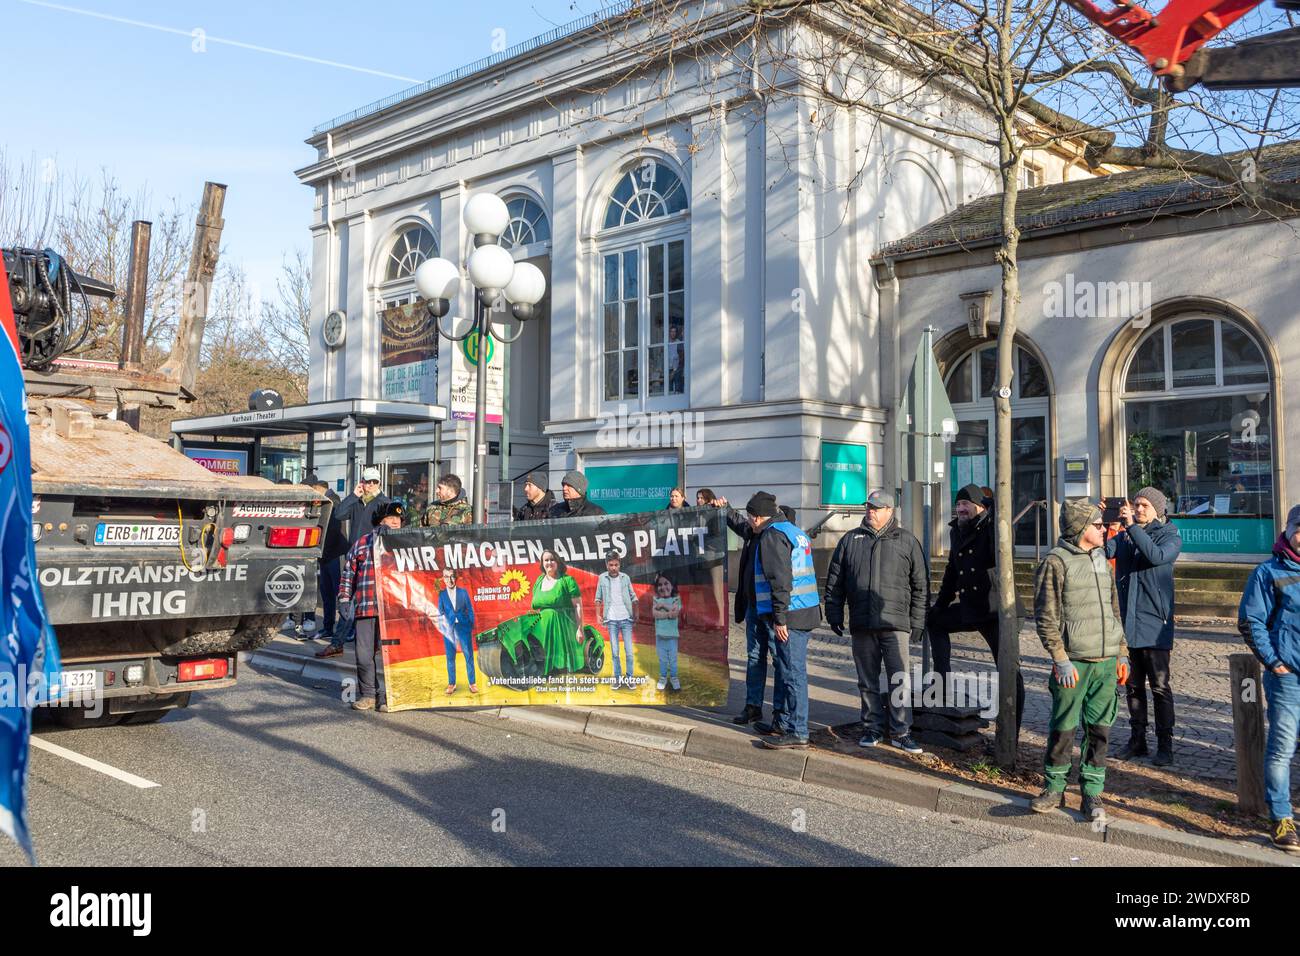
column 1008, row 623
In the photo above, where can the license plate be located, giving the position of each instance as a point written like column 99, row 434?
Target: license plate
column 79, row 680
column 123, row 533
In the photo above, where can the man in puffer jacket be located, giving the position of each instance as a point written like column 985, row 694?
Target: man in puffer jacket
column 879, row 570
column 1145, row 552
column 1269, row 620
column 1077, row 611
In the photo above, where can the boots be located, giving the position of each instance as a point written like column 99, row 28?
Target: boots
column 1164, row 750
column 1136, row 746
column 748, row 715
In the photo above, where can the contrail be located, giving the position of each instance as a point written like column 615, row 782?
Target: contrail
column 211, row 39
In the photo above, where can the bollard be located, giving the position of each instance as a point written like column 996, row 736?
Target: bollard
column 1248, row 731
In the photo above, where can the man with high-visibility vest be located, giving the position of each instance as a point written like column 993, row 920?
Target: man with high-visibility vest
column 785, row 599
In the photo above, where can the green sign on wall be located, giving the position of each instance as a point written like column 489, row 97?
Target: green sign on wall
column 622, row 489
column 844, row 473
column 1226, row 535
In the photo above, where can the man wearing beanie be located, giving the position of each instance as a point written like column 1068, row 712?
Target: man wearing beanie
column 1144, row 551
column 786, row 605
column 1269, row 620
column 538, row 501
column 968, row 596
column 575, row 503
column 1077, row 611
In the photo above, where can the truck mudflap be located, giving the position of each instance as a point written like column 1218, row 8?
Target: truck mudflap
column 117, row 589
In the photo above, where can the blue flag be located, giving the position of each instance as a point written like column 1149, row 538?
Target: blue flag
column 29, row 656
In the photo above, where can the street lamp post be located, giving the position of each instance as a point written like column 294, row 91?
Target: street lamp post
column 494, row 273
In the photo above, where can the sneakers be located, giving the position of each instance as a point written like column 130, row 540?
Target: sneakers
column 1092, row 808
column 1284, row 836
column 1047, row 801
column 769, row 728
column 748, row 715
column 330, row 650
column 365, row 703
column 872, row 739
column 677, row 685
column 907, row 744
column 662, row 684
column 786, row 741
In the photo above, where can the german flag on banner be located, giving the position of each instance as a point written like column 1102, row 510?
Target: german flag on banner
column 620, row 609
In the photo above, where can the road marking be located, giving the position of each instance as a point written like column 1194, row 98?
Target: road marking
column 93, row 764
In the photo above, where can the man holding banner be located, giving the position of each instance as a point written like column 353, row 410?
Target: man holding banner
column 27, row 646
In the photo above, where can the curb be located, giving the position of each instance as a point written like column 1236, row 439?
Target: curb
column 715, row 744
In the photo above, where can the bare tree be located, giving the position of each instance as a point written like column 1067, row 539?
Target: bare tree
column 286, row 319
column 997, row 78
column 30, row 200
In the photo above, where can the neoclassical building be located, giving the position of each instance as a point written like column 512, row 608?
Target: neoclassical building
column 1156, row 333
column 706, row 219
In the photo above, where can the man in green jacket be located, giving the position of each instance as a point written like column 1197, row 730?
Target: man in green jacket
column 1077, row 611
column 451, row 508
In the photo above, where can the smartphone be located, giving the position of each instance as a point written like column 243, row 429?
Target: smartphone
column 1110, row 509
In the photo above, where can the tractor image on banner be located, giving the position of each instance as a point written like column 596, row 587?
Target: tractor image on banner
column 537, row 613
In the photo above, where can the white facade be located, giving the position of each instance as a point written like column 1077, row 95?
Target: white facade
column 786, row 200
column 1181, row 319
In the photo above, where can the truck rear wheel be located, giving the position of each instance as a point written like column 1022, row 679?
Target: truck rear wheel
column 178, row 702
column 81, row 718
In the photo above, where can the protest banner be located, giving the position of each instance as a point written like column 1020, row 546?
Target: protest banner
column 526, row 606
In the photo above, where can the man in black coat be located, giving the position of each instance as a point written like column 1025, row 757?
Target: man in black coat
column 968, row 599
column 1144, row 553
column 538, row 502
column 327, row 569
column 879, row 570
column 575, row 504
column 757, row 638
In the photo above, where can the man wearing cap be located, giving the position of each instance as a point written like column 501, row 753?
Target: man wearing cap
column 357, row 587
column 968, row 596
column 879, row 570
column 358, row 510
column 1269, row 620
column 1145, row 551
column 451, row 508
column 538, row 501
column 575, row 503
column 1077, row 610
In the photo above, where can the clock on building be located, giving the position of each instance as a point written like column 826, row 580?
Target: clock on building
column 334, row 329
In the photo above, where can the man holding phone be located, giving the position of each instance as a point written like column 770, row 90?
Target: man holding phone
column 1145, row 551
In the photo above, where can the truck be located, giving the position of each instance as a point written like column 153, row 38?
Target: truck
column 155, row 571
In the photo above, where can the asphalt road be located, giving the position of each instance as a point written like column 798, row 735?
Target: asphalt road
column 278, row 771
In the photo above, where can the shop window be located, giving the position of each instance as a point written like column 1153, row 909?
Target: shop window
column 1199, row 426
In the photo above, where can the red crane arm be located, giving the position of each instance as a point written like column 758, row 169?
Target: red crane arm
column 1166, row 40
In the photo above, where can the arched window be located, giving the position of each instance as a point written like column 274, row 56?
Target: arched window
column 528, row 223
column 644, row 290
column 646, row 191
column 971, row 455
column 409, row 249
column 1198, row 426
column 972, row 379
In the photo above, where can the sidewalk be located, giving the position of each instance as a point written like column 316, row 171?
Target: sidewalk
column 1192, row 818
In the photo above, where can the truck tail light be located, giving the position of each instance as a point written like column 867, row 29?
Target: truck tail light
column 213, row 668
column 293, row 537
column 227, row 537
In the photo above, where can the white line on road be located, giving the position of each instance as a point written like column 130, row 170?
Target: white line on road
column 93, row 764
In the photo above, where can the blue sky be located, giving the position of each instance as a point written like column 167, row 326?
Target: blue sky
column 144, row 105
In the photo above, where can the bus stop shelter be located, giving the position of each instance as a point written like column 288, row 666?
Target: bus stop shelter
column 349, row 416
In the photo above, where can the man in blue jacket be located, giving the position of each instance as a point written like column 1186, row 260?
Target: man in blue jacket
column 1145, row 551
column 456, row 621
column 1269, row 620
